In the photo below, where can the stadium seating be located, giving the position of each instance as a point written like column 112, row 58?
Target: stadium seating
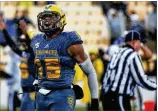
column 83, row 17
column 88, row 21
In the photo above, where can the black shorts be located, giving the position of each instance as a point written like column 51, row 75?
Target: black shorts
column 114, row 102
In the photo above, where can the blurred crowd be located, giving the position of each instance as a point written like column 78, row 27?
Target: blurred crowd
column 121, row 18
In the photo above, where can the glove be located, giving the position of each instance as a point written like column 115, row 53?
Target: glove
column 35, row 83
column 94, row 106
column 78, row 91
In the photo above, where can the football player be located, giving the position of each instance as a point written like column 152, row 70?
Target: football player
column 24, row 50
column 9, row 69
column 56, row 53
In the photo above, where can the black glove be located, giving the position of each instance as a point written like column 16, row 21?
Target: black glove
column 78, row 91
column 94, row 106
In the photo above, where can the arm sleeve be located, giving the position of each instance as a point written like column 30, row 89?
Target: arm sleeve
column 11, row 43
column 88, row 69
column 139, row 75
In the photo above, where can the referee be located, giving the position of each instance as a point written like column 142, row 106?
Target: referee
column 124, row 72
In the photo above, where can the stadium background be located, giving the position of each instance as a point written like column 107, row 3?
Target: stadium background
column 98, row 23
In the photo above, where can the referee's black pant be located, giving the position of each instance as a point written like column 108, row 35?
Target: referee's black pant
column 114, row 102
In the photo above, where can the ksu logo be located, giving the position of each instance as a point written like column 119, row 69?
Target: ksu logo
column 37, row 45
column 70, row 100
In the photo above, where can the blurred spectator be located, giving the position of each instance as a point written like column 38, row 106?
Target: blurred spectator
column 26, row 3
column 15, row 3
column 10, row 27
column 50, row 2
column 10, row 65
column 106, row 5
column 154, row 3
column 40, row 3
column 96, row 61
column 123, row 7
column 119, row 5
column 117, row 23
column 22, row 14
column 43, row 3
column 151, row 24
column 2, row 39
column 1, row 15
column 140, row 28
column 105, row 62
column 136, row 24
column 134, row 19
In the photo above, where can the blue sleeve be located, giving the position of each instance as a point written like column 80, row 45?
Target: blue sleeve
column 74, row 38
column 32, row 44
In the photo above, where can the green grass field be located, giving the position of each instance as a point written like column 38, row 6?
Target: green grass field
column 80, row 109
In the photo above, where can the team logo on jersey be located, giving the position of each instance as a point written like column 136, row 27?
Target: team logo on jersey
column 46, row 46
column 32, row 95
column 37, row 45
column 70, row 100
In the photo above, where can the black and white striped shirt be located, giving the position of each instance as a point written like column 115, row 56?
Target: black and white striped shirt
column 124, row 71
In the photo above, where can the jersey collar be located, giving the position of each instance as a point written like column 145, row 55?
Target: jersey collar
column 129, row 46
